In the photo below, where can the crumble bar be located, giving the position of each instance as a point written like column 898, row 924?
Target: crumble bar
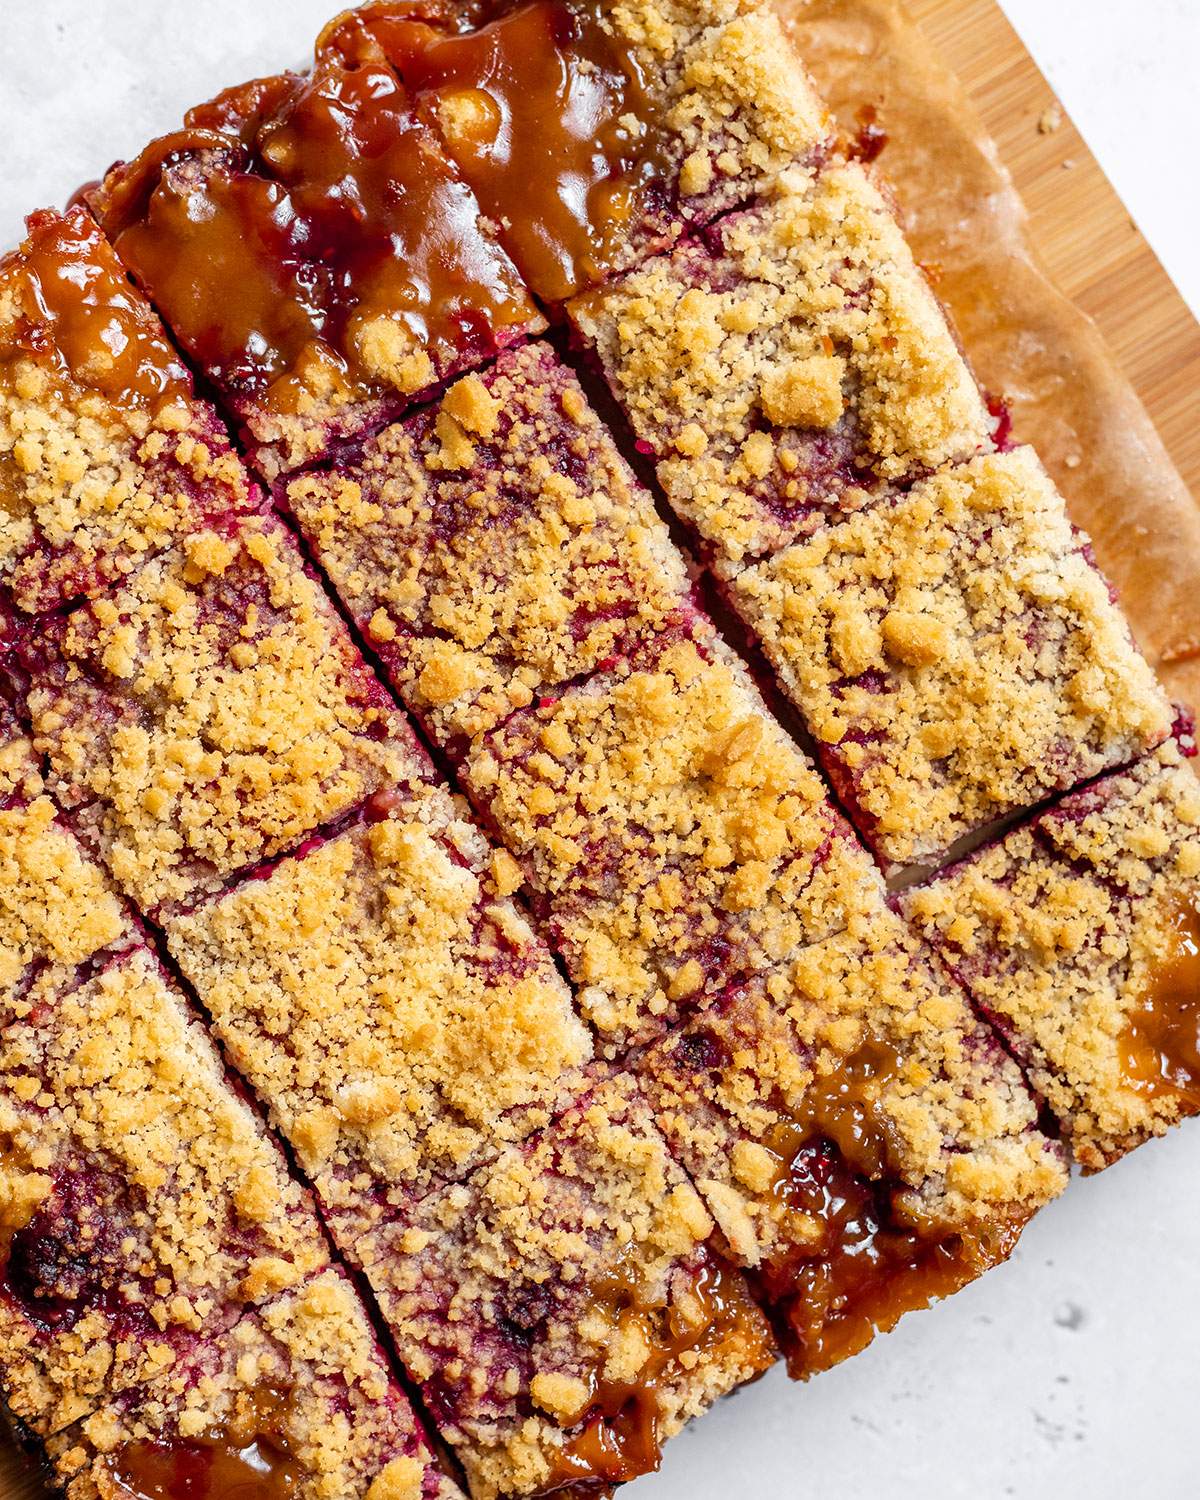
column 316, row 255
column 673, row 836
column 562, row 1311
column 955, row 654
column 296, row 1400
column 865, row 1145
column 1077, row 935
column 106, row 455
column 210, row 713
column 390, row 1005
column 784, row 363
column 141, row 1203
column 594, row 132
column 494, row 547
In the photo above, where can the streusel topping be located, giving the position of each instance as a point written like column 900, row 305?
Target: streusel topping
column 495, row 547
column 525, row 1299
column 795, row 358
column 674, row 835
column 140, row 1196
column 1063, row 932
column 956, row 652
column 390, row 1005
column 210, row 713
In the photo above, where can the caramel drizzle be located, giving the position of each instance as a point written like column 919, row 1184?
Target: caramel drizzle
column 621, row 1437
column 82, row 319
column 250, row 1458
column 861, row 1253
column 550, row 119
column 1160, row 1045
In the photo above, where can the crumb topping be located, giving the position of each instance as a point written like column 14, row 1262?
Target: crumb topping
column 20, row 773
column 955, row 653
column 57, row 909
column 673, row 834
column 105, row 457
column 526, row 1295
column 795, row 356
column 947, row 1122
column 139, row 1198
column 210, row 713
column 1060, row 931
column 300, row 1385
column 395, row 1011
column 494, row 547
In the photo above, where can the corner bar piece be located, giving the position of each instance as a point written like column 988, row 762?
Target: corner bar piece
column 295, row 1401
column 865, row 1145
column 783, row 364
column 955, row 655
column 316, row 254
column 106, row 455
column 495, row 548
column 562, row 1311
column 1078, row 935
column 390, row 1005
column 673, row 836
column 595, row 131
column 142, row 1207
column 210, row 713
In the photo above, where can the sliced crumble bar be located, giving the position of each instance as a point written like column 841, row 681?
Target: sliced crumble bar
column 673, row 835
column 865, row 1145
column 209, row 713
column 316, row 254
column 296, row 1400
column 390, row 1004
column 955, row 654
column 785, row 362
column 594, row 131
column 494, row 547
column 105, row 454
column 562, row 1311
column 1078, row 935
column 141, row 1203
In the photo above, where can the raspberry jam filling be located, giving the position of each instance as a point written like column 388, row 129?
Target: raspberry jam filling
column 547, row 116
column 859, row 1258
column 621, row 1439
column 81, row 316
column 1160, row 1047
column 307, row 235
column 250, row 1459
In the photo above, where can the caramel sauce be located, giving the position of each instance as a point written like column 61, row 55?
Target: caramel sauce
column 1160, row 1047
column 621, row 1436
column 291, row 214
column 249, row 1460
column 549, row 119
column 82, row 319
column 870, row 139
column 860, row 1255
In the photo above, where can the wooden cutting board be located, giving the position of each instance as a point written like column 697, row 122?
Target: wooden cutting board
column 1087, row 241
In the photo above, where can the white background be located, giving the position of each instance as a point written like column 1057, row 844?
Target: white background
column 1075, row 1370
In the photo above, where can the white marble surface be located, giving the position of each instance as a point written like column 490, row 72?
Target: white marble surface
column 1073, row 1371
